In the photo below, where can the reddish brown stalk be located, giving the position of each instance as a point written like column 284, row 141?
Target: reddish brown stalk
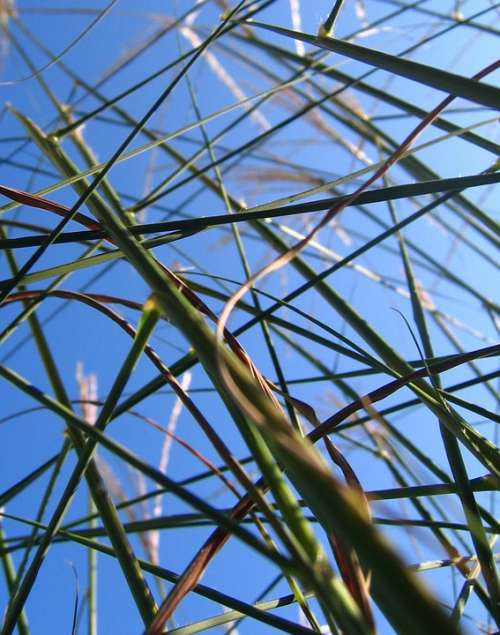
column 388, row 389
column 189, row 448
column 347, row 560
column 353, row 577
column 32, row 200
column 195, row 569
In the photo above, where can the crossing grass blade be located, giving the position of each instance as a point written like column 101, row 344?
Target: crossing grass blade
column 478, row 92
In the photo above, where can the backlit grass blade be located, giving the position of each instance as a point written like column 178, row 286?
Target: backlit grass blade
column 142, row 595
column 197, row 224
column 14, row 490
column 476, row 91
column 259, row 611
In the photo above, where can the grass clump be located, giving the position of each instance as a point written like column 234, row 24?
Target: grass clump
column 267, row 230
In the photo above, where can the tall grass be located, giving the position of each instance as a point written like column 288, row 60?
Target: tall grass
column 248, row 317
